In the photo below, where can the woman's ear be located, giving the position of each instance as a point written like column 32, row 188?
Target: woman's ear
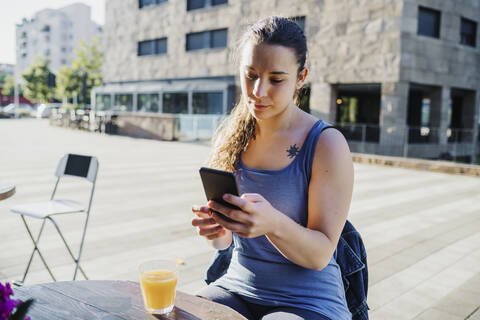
column 302, row 76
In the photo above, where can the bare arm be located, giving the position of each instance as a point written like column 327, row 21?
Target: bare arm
column 329, row 195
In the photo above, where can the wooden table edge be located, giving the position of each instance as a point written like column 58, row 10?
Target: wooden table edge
column 7, row 194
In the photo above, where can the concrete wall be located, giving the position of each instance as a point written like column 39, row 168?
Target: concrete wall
column 444, row 61
column 160, row 127
column 349, row 41
column 352, row 42
column 126, row 25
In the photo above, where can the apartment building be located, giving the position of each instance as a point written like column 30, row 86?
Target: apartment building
column 54, row 34
column 398, row 77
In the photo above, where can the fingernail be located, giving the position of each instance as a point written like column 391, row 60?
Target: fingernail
column 226, row 196
column 195, row 207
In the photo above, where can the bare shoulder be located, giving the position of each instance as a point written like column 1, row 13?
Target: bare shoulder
column 332, row 140
column 332, row 150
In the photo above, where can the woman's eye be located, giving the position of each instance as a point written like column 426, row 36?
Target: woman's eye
column 276, row 80
column 251, row 76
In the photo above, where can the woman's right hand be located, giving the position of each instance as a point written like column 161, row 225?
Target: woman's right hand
column 205, row 224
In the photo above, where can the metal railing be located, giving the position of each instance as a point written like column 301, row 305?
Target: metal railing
column 410, row 141
column 198, row 126
column 407, row 141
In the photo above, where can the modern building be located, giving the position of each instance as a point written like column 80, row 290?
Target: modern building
column 399, row 77
column 54, row 34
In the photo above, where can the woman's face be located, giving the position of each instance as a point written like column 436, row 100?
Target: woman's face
column 269, row 78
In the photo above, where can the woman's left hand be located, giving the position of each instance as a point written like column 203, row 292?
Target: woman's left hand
column 256, row 216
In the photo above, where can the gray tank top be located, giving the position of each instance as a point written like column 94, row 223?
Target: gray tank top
column 258, row 272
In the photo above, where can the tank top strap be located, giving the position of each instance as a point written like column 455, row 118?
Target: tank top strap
column 311, row 144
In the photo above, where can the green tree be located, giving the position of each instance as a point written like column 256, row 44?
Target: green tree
column 8, row 86
column 2, row 78
column 67, row 83
column 35, row 88
column 84, row 73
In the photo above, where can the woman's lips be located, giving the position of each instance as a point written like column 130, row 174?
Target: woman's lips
column 260, row 106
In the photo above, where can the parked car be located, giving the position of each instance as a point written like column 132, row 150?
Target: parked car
column 45, row 109
column 23, row 110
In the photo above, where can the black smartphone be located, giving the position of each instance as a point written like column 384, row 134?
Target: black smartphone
column 216, row 183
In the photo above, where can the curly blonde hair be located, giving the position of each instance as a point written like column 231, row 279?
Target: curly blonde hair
column 234, row 133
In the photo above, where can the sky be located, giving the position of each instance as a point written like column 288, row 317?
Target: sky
column 13, row 13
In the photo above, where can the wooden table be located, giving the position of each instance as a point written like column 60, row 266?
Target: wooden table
column 6, row 190
column 109, row 300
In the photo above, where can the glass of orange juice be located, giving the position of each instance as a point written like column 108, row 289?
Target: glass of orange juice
column 158, row 279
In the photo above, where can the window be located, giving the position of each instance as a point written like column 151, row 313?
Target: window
column 123, row 102
column 358, row 111
column 175, row 102
column 195, row 4
column 300, row 21
column 152, row 47
column 428, row 22
column 198, row 4
column 63, row 62
column 207, row 39
column 425, row 112
column 148, row 102
column 218, row 38
column 147, row 3
column 207, row 103
column 468, row 32
column 196, row 41
column 45, row 28
column 102, row 102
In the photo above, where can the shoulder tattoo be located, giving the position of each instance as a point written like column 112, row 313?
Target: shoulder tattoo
column 293, row 151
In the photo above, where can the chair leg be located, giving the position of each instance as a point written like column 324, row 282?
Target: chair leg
column 76, row 260
column 83, row 240
column 35, row 244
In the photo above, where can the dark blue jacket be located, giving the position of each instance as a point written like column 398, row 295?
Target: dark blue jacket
column 351, row 257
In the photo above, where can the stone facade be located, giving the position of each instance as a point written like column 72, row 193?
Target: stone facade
column 350, row 42
column 346, row 44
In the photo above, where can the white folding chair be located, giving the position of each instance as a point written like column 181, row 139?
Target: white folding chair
column 81, row 166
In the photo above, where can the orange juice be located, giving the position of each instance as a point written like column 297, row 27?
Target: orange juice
column 158, row 289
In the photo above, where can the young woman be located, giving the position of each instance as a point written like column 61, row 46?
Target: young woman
column 295, row 181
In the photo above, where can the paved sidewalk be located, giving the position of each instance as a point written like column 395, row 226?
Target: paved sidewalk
column 421, row 229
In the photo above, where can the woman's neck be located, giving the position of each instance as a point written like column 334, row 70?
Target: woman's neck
column 281, row 122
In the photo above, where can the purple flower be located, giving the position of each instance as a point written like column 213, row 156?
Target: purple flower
column 5, row 292
column 7, row 305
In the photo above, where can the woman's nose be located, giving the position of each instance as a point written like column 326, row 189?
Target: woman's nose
column 259, row 89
